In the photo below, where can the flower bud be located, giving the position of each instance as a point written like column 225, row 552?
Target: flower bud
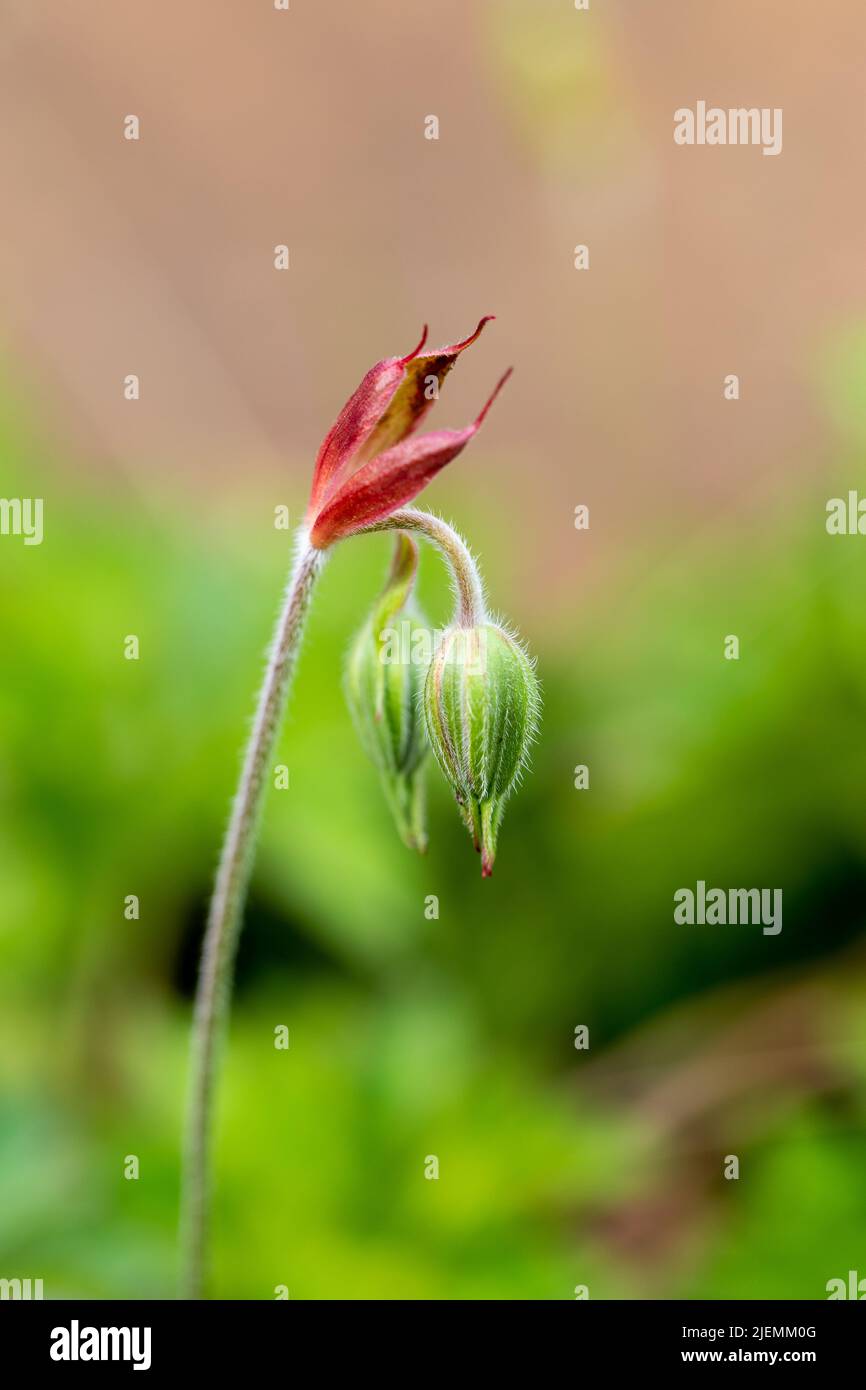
column 384, row 680
column 481, row 706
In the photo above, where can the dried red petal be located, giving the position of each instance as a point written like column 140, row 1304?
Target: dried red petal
column 392, row 479
column 355, row 423
column 414, row 396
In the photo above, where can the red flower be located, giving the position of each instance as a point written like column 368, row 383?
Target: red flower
column 368, row 466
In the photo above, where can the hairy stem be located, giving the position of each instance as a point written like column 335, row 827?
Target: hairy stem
column 464, row 571
column 224, row 917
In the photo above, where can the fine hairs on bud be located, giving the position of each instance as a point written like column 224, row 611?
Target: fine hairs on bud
column 482, row 705
column 482, row 699
column 383, row 682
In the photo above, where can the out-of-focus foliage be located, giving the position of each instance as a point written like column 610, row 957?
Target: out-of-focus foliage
column 413, row 1037
column 554, row 81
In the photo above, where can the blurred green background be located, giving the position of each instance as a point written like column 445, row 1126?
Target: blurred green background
column 455, row 1037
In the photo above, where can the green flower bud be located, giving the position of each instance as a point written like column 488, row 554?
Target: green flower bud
column 481, row 708
column 384, row 680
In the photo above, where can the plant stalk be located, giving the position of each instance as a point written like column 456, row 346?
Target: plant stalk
column 235, row 866
column 468, row 589
column 224, row 918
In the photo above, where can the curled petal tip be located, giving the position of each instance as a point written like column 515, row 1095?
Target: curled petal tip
column 414, row 353
column 467, row 342
column 369, row 464
column 492, row 397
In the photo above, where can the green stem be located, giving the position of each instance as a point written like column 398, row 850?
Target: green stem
column 468, row 588
column 224, row 918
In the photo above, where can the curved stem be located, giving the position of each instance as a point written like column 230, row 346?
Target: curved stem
column 224, row 917
column 467, row 581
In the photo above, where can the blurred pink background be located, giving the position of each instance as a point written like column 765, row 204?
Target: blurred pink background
column 306, row 127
